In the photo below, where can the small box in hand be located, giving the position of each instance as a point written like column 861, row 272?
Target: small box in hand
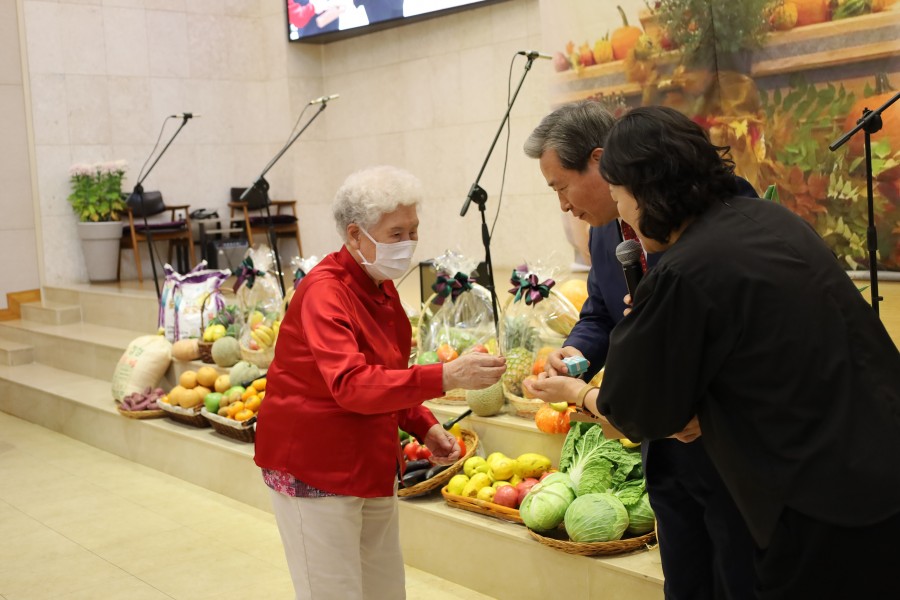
column 576, row 365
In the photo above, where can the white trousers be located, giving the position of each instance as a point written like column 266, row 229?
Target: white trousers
column 342, row 547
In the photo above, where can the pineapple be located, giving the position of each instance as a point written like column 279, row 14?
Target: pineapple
column 518, row 342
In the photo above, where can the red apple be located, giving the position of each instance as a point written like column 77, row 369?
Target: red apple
column 524, row 486
column 479, row 348
column 507, row 495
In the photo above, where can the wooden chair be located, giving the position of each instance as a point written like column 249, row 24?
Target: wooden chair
column 251, row 215
column 175, row 231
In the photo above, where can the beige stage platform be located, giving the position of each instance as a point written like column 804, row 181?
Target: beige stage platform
column 55, row 368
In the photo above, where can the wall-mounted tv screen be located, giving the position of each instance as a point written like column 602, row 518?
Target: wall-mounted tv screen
column 328, row 20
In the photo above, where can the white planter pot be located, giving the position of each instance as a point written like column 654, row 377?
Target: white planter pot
column 100, row 245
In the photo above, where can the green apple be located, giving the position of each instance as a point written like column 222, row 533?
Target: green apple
column 211, row 402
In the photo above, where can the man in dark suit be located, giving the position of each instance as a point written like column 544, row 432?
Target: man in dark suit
column 706, row 550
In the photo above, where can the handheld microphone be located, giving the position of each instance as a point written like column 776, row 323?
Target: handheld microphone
column 185, row 115
column 533, row 54
column 629, row 254
column 324, row 99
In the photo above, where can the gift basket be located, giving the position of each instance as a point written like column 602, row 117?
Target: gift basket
column 262, row 305
column 535, row 321
column 456, row 319
column 190, row 300
column 227, row 322
column 300, row 267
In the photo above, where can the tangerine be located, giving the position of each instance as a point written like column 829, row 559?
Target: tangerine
column 234, row 408
column 260, row 384
column 243, row 415
column 252, row 403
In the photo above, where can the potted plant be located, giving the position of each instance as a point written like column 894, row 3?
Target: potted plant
column 97, row 200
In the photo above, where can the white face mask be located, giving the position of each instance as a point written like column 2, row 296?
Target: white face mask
column 391, row 260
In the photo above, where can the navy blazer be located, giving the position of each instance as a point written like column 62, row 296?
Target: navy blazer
column 606, row 289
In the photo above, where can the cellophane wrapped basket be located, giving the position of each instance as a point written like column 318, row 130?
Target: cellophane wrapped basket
column 458, row 318
column 535, row 321
column 262, row 306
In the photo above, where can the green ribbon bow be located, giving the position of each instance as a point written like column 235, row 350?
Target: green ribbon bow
column 525, row 285
column 451, row 286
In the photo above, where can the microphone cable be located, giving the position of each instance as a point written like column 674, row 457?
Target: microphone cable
column 151, row 248
column 506, row 151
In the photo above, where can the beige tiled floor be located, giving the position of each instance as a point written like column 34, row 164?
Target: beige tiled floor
column 79, row 523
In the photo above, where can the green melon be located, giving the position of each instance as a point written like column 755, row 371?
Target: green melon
column 226, row 351
column 487, row 402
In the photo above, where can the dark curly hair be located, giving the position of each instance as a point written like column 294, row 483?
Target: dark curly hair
column 667, row 162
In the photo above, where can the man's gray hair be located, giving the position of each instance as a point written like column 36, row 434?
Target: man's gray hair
column 573, row 131
column 368, row 194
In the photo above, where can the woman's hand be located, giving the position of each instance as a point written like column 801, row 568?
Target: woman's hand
column 473, row 371
column 690, row 432
column 444, row 447
column 559, row 388
column 627, row 301
column 555, row 364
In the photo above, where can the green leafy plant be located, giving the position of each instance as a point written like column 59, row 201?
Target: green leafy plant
column 97, row 191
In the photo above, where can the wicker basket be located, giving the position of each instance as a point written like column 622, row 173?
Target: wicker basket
column 441, row 479
column 260, row 358
column 481, row 507
column 523, row 407
column 188, row 416
column 140, row 414
column 559, row 540
column 205, row 347
column 454, row 397
column 242, row 431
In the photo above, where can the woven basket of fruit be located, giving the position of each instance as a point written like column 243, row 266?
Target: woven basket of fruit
column 441, row 478
column 242, row 431
column 188, row 416
column 559, row 540
column 482, row 507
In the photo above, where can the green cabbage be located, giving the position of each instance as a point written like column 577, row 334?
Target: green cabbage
column 556, row 477
column 596, row 518
column 641, row 519
column 544, row 508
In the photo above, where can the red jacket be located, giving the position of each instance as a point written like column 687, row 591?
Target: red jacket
column 339, row 385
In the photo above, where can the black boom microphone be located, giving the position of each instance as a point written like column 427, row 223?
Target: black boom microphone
column 629, row 254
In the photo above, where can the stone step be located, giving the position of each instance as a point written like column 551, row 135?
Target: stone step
column 50, row 313
column 111, row 305
column 491, row 556
column 84, row 348
column 13, row 354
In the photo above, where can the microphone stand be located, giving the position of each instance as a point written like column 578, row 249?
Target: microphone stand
column 262, row 186
column 139, row 191
column 479, row 197
column 870, row 123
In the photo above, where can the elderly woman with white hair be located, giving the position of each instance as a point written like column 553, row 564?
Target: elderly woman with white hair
column 339, row 388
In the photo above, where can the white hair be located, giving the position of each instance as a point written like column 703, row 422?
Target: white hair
column 370, row 193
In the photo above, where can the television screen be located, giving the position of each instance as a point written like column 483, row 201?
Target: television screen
column 328, row 20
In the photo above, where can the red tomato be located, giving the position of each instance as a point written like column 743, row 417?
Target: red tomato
column 411, row 450
column 423, row 452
